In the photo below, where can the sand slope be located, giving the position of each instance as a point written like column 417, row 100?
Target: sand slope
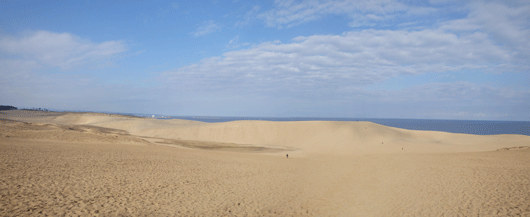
column 96, row 164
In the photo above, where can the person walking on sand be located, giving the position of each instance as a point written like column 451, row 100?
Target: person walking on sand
column 287, row 155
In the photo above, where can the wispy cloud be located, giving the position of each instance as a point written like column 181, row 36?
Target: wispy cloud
column 62, row 50
column 206, row 28
column 361, row 13
column 139, row 52
column 234, row 43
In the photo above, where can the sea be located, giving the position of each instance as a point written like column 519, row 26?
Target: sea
column 452, row 126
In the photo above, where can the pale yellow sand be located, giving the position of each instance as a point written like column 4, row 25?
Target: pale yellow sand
column 68, row 163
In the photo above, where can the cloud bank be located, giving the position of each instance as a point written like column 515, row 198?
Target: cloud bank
column 339, row 69
column 351, row 59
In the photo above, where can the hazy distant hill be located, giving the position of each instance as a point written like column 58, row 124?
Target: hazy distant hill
column 7, row 107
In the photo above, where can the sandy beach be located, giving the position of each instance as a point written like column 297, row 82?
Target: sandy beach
column 90, row 164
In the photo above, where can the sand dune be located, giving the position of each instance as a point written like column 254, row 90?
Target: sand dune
column 99, row 164
column 309, row 137
column 344, row 138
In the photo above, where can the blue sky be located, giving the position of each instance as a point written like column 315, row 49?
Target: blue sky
column 437, row 59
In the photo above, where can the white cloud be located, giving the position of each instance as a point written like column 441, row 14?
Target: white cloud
column 506, row 25
column 234, row 43
column 62, row 50
column 206, row 28
column 351, row 59
column 234, row 40
column 362, row 13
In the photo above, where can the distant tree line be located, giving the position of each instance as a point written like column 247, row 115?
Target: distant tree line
column 7, row 107
column 37, row 109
